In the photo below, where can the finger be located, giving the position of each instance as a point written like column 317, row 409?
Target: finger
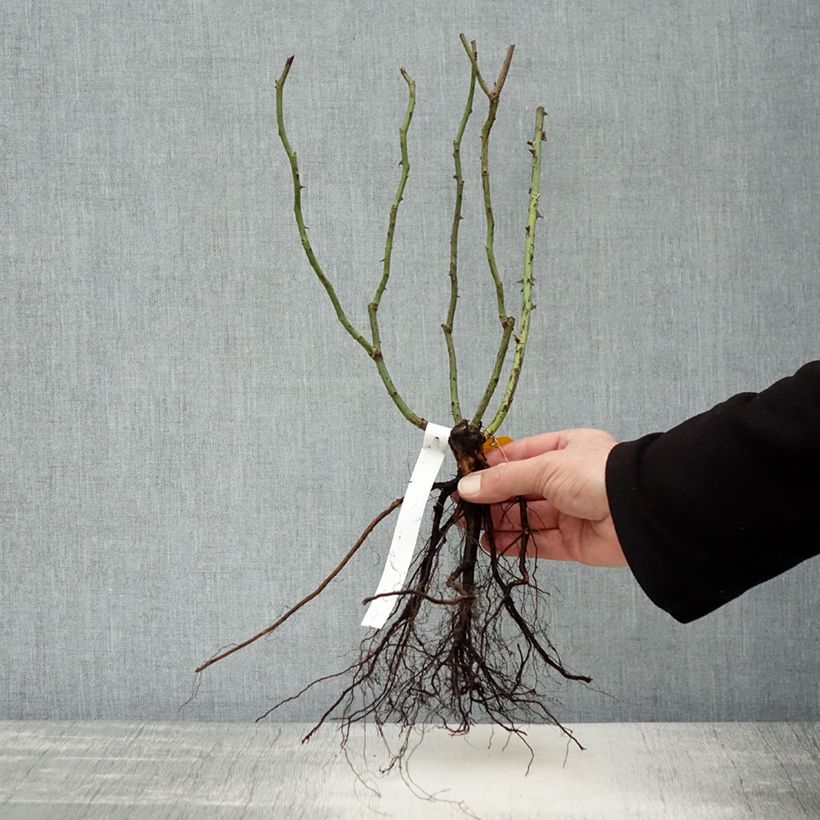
column 540, row 515
column 526, row 447
column 504, row 481
column 507, row 544
column 526, row 496
column 506, row 515
column 548, row 544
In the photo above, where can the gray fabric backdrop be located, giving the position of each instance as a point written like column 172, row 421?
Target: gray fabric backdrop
column 189, row 441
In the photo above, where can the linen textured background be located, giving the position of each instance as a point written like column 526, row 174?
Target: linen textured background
column 188, row 439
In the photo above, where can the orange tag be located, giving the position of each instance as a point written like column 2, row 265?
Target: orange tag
column 494, row 442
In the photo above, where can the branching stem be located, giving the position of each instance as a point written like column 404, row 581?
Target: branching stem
column 507, row 322
column 526, row 284
column 373, row 349
column 300, row 220
column 373, row 307
column 447, row 327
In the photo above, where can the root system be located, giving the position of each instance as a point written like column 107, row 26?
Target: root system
column 467, row 641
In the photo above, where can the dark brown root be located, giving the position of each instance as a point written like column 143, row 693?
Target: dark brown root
column 310, row 596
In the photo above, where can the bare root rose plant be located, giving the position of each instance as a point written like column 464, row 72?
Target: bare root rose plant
column 467, row 641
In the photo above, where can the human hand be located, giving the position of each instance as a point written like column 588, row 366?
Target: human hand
column 562, row 477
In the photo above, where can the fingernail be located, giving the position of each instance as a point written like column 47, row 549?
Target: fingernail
column 470, row 484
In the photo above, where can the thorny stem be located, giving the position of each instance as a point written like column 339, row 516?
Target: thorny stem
column 300, row 220
column 373, row 350
column 473, row 55
column 393, row 392
column 526, row 284
column 507, row 322
column 447, row 327
column 373, row 307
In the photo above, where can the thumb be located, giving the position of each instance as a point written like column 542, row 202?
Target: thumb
column 507, row 480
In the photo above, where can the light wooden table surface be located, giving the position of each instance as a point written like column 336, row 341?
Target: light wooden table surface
column 119, row 770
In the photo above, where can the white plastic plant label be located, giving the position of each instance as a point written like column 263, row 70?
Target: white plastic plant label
column 406, row 533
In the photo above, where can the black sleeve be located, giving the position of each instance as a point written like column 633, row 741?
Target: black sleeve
column 724, row 501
